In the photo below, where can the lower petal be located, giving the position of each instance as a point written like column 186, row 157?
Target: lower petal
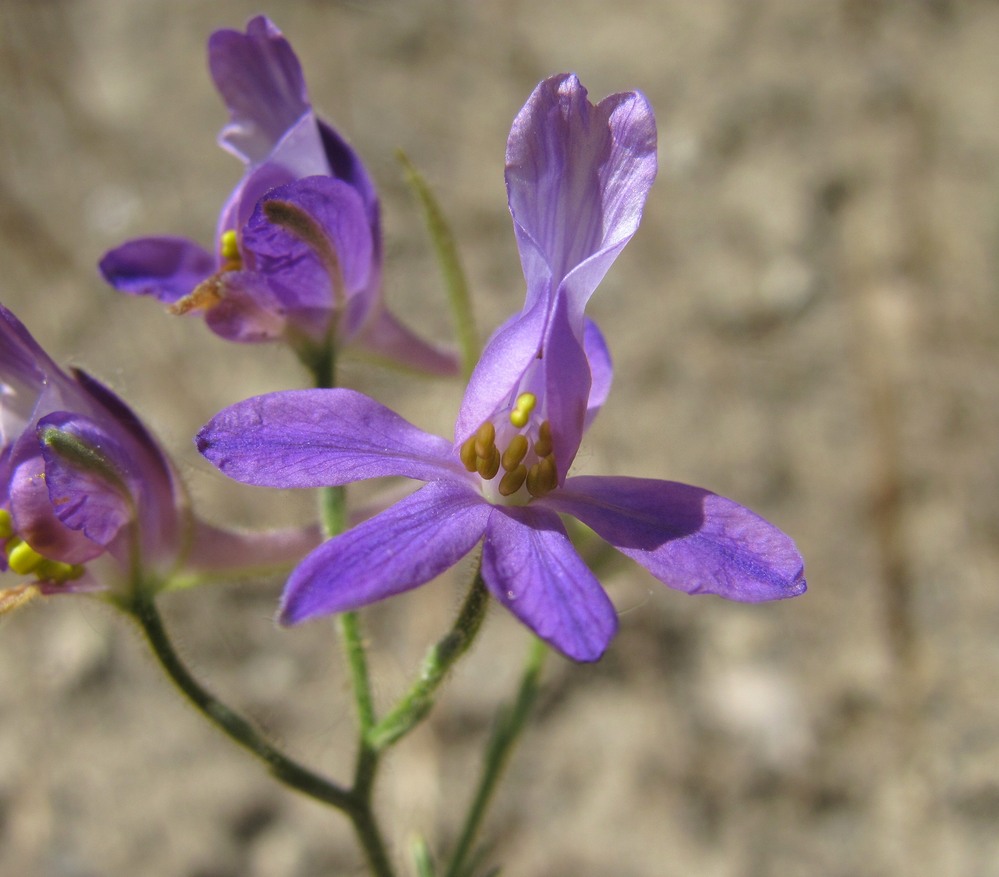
column 167, row 268
column 687, row 537
column 530, row 566
column 407, row 545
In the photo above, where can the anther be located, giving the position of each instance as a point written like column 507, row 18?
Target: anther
column 468, row 455
column 514, row 455
column 6, row 525
column 485, row 440
column 542, row 477
column 229, row 247
column 488, row 465
column 543, row 446
column 23, row 559
column 513, row 480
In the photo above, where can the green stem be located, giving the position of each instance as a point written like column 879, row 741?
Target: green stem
column 291, row 773
column 417, row 702
column 509, row 725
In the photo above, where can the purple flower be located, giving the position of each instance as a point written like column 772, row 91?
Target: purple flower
column 577, row 177
column 88, row 500
column 299, row 253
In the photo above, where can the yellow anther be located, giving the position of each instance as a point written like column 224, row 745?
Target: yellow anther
column 522, row 409
column 57, row 571
column 513, row 481
column 229, row 247
column 543, row 446
column 542, row 477
column 485, row 440
column 514, row 455
column 487, row 467
column 6, row 525
column 22, row 558
column 468, row 455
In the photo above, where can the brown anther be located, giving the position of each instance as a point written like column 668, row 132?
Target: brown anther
column 468, row 455
column 513, row 481
column 488, row 466
column 203, row 297
column 485, row 440
column 543, row 477
column 543, row 446
column 515, row 452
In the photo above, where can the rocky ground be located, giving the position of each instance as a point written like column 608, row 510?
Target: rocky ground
column 807, row 321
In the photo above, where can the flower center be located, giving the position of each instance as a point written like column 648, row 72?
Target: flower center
column 209, row 292
column 525, row 467
column 25, row 561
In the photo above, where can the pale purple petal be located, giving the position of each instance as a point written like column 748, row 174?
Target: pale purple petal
column 312, row 438
column 247, row 310
column 530, row 566
column 601, row 370
column 261, row 82
column 233, row 552
column 687, row 537
column 567, row 387
column 96, row 494
column 386, row 337
column 577, row 178
column 166, row 268
column 312, row 241
column 499, row 370
column 405, row 546
column 35, row 516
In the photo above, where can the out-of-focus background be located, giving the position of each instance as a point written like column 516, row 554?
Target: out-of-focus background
column 807, row 322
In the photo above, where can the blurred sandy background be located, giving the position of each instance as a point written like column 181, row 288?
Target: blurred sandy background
column 807, row 321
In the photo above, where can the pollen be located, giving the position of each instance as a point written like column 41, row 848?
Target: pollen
column 514, row 455
column 25, row 561
column 522, row 409
column 513, row 480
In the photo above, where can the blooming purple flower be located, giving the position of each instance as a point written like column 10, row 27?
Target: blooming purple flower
column 299, row 253
column 577, row 177
column 88, row 500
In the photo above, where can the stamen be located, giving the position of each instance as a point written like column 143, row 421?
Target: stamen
column 514, row 455
column 488, row 466
column 485, row 439
column 543, row 446
column 522, row 409
column 513, row 481
column 6, row 525
column 542, row 477
column 468, row 455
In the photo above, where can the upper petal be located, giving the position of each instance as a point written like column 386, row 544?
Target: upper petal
column 530, row 566
column 167, row 268
column 577, row 177
column 261, row 82
column 687, row 537
column 409, row 544
column 312, row 438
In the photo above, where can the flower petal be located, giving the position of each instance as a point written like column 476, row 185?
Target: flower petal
column 385, row 336
column 407, row 545
column 687, row 537
column 567, row 386
column 312, row 241
column 504, row 360
column 167, row 268
column 530, row 566
column 261, row 82
column 222, row 551
column 92, row 488
column 315, row 438
column 601, row 370
column 577, row 178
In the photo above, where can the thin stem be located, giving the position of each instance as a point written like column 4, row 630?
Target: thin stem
column 288, row 771
column 509, row 725
column 417, row 702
